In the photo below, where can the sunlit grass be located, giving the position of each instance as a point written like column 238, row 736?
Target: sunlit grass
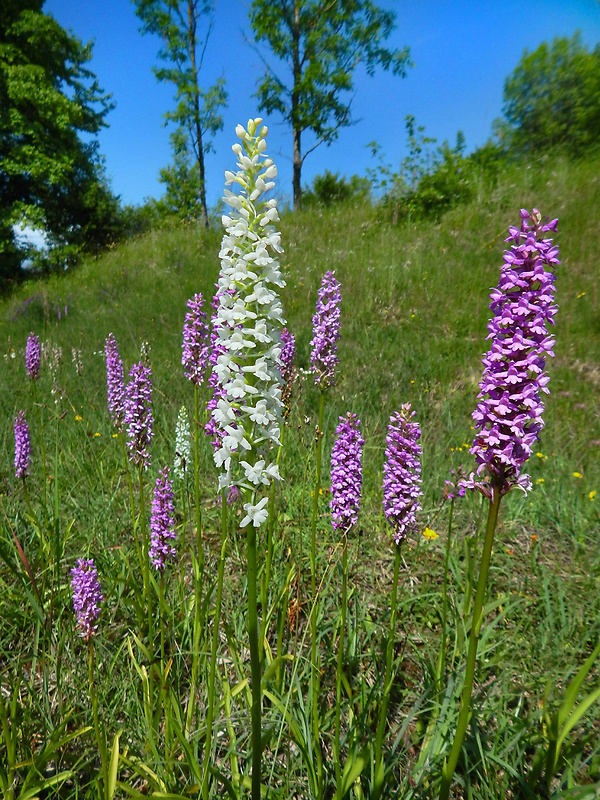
column 414, row 313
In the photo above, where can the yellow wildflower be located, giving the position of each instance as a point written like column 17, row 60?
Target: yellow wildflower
column 430, row 535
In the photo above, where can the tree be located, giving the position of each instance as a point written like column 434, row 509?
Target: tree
column 48, row 98
column 197, row 113
column 318, row 46
column 552, row 99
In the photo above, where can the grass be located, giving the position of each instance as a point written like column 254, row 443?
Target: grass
column 414, row 313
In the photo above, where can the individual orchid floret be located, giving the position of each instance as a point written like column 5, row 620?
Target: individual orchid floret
column 87, row 596
column 32, row 357
column 162, row 522
column 346, row 473
column 182, row 444
column 402, row 473
column 138, row 417
column 247, row 409
column 195, row 348
column 115, row 384
column 22, row 446
column 508, row 417
column 454, row 487
column 326, row 332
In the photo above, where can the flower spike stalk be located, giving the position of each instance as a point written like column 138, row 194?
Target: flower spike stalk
column 248, row 322
column 508, row 417
column 323, row 359
column 346, row 485
column 401, row 504
column 87, row 598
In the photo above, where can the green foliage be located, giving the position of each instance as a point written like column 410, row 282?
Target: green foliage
column 430, row 181
column 329, row 188
column 316, row 48
column 50, row 179
column 197, row 114
column 552, row 99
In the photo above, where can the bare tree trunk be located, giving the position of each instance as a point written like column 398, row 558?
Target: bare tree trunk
column 192, row 22
column 297, row 171
column 297, row 157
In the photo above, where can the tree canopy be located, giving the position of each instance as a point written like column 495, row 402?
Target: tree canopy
column 552, row 99
column 316, row 48
column 49, row 177
column 197, row 114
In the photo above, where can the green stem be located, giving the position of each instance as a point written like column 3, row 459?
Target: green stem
column 389, row 659
column 255, row 660
column 442, row 655
column 314, row 654
column 131, row 501
column 340, row 664
column 197, row 478
column 264, row 594
column 465, row 698
column 215, row 643
column 42, row 446
column 94, row 700
column 182, row 541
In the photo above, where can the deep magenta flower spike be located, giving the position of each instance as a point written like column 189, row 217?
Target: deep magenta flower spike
column 195, row 348
column 32, row 356
column 115, row 384
column 138, row 414
column 87, row 596
column 326, row 331
column 346, row 473
column 22, row 446
column 508, row 417
column 402, row 473
column 162, row 522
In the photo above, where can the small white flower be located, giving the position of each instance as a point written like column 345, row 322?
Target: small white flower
column 256, row 514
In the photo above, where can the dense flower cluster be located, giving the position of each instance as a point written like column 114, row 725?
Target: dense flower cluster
column 402, row 473
column 87, row 596
column 288, row 354
column 346, row 473
column 508, row 417
column 115, row 384
column 32, row 356
column 138, row 414
column 195, row 346
column 162, row 522
column 22, row 446
column 248, row 324
column 326, row 331
column 182, row 444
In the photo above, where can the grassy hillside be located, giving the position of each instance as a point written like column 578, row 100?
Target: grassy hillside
column 414, row 311
column 415, row 307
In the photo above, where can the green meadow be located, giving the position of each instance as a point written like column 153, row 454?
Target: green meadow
column 415, row 298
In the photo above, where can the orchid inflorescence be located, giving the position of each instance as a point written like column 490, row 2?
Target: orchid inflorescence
column 508, row 417
column 138, row 417
column 22, row 446
column 402, row 473
column 248, row 322
column 346, row 473
column 115, row 384
column 162, row 522
column 326, row 331
column 87, row 596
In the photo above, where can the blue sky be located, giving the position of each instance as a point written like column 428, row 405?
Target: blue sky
column 462, row 51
